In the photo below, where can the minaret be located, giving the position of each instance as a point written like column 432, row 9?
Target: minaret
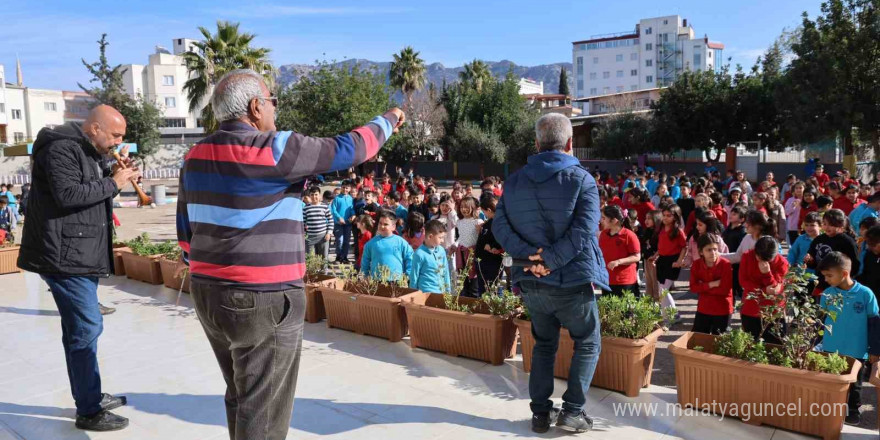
column 18, row 75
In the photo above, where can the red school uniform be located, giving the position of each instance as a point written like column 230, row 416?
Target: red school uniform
column 720, row 214
column 667, row 246
column 365, row 237
column 751, row 279
column 617, row 246
column 842, row 203
column 714, row 301
column 642, row 210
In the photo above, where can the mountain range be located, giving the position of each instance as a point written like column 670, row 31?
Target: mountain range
column 436, row 73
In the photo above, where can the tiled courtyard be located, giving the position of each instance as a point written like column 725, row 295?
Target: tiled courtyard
column 350, row 386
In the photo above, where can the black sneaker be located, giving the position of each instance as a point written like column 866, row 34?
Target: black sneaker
column 541, row 421
column 102, row 421
column 574, row 422
column 853, row 419
column 105, row 310
column 109, row 401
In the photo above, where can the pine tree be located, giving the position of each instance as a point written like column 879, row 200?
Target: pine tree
column 563, row 83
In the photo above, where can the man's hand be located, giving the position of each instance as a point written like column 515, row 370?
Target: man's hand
column 401, row 118
column 341, row 221
column 125, row 175
column 123, row 153
column 537, row 256
column 764, row 267
column 538, row 270
column 613, row 264
column 328, row 236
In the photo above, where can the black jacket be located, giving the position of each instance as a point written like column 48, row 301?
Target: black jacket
column 69, row 225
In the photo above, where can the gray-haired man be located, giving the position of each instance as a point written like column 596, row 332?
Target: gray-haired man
column 549, row 213
column 239, row 222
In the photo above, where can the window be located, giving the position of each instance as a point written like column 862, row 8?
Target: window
column 2, row 105
column 619, row 89
column 619, row 57
column 18, row 137
column 592, row 75
column 168, row 80
column 697, row 61
column 709, row 54
column 649, row 47
column 606, row 75
column 174, row 122
column 595, row 60
column 580, row 84
column 170, row 102
column 649, row 63
column 633, row 56
column 649, row 79
column 634, row 72
column 620, row 74
column 634, row 87
column 593, row 91
column 583, row 47
column 606, row 90
column 50, row 106
column 580, row 64
column 648, row 31
column 16, row 113
column 665, row 21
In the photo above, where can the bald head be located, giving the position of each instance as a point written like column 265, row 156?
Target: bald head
column 105, row 127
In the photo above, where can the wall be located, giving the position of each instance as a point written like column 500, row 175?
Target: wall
column 38, row 116
column 15, row 101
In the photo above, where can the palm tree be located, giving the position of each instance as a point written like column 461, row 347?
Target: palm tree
column 407, row 73
column 218, row 54
column 476, row 74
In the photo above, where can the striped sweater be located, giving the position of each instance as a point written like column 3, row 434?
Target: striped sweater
column 239, row 207
column 317, row 221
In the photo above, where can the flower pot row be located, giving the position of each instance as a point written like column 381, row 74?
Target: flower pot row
column 151, row 269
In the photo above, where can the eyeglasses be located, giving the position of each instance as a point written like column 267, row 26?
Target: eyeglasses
column 273, row 99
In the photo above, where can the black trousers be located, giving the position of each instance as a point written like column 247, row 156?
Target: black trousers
column 711, row 324
column 737, row 289
column 753, row 325
column 257, row 340
column 854, row 397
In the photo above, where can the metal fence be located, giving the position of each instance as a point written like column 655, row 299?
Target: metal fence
column 793, row 156
column 155, row 174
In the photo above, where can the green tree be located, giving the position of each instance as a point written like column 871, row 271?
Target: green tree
column 563, row 83
column 624, row 135
column 407, row 73
column 475, row 75
column 216, row 55
column 142, row 116
column 833, row 84
column 333, row 99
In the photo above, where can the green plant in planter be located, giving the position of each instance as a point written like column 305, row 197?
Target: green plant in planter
column 315, row 265
column 142, row 245
column 832, row 363
column 504, row 305
column 805, row 317
column 631, row 317
column 739, row 344
column 362, row 284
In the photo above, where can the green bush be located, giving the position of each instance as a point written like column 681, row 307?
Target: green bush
column 738, row 344
column 831, row 363
column 630, row 317
column 142, row 245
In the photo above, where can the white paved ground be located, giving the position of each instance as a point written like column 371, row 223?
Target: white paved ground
column 350, row 386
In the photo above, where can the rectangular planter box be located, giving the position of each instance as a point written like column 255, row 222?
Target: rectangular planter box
column 625, row 365
column 703, row 378
column 167, row 268
column 9, row 260
column 875, row 380
column 142, row 268
column 376, row 315
column 474, row 335
column 118, row 263
column 315, row 311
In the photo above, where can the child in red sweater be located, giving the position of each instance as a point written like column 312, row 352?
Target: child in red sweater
column 365, row 224
column 761, row 274
column 712, row 281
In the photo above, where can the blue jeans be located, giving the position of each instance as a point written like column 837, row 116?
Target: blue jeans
column 81, row 324
column 343, row 240
column 575, row 309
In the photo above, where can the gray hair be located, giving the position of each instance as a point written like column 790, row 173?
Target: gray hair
column 553, row 132
column 234, row 93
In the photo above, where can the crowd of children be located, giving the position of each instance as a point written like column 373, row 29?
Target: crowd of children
column 729, row 235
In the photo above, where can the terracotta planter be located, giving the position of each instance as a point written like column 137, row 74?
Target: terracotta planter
column 9, row 260
column 625, row 365
column 875, row 380
column 376, row 315
column 118, row 263
column 476, row 335
column 168, row 267
column 314, row 300
column 704, row 379
column 142, row 268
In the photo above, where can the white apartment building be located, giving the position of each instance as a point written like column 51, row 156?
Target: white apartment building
column 651, row 56
column 161, row 80
column 528, row 86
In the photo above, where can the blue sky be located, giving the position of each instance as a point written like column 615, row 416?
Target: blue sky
column 50, row 36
